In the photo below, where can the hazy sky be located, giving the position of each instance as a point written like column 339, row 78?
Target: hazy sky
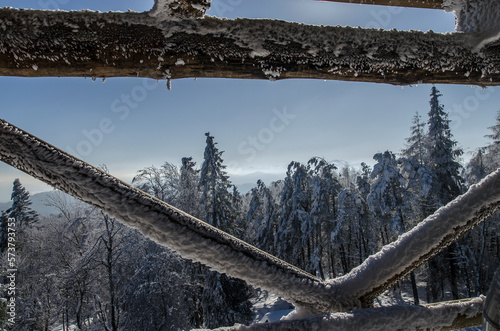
column 261, row 125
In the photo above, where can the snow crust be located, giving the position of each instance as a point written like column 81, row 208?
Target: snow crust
column 402, row 317
column 480, row 17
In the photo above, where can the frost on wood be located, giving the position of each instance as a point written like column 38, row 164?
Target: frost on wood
column 92, row 44
column 180, row 9
column 481, row 18
column 443, row 316
column 196, row 240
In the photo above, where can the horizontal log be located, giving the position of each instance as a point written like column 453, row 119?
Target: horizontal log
column 430, row 4
column 90, row 44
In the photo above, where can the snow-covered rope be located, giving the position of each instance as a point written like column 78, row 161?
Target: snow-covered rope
column 442, row 316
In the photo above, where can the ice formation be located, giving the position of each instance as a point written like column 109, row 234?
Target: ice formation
column 479, row 17
column 401, row 317
column 179, row 9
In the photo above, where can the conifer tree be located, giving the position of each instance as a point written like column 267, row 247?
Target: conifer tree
column 415, row 144
column 442, row 152
column 214, row 185
column 189, row 194
column 20, row 209
column 493, row 156
column 495, row 135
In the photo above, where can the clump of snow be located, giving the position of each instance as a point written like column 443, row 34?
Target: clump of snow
column 401, row 317
column 479, row 17
column 180, row 62
column 178, row 9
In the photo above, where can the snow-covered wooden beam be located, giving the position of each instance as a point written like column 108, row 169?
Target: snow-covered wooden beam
column 443, row 316
column 382, row 270
column 90, row 44
column 432, row 4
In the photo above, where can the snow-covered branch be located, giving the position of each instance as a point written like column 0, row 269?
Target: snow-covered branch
column 151, row 44
column 443, row 316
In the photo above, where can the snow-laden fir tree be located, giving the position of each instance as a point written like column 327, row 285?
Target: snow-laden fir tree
column 324, row 190
column 495, row 135
column 224, row 299
column 20, row 209
column 189, row 195
column 388, row 200
column 391, row 201
column 415, row 144
column 443, row 155
column 493, row 159
column 294, row 217
column 214, row 184
column 255, row 215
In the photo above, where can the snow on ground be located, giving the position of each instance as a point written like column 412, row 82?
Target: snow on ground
column 269, row 307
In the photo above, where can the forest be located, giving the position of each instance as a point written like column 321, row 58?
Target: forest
column 83, row 269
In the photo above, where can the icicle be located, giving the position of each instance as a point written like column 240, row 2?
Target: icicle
column 169, row 84
column 94, row 78
column 104, row 79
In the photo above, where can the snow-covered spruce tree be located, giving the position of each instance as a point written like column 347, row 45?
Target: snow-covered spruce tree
column 20, row 209
column 442, row 152
column 255, row 215
column 476, row 169
column 224, row 299
column 267, row 229
column 325, row 188
column 443, row 159
column 294, row 216
column 495, row 135
column 415, row 144
column 392, row 202
column 214, row 184
column 189, row 195
column 389, row 200
column 493, row 156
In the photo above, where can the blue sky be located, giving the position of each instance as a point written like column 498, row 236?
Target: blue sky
column 129, row 124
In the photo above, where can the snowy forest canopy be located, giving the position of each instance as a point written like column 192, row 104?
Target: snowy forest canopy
column 83, row 268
